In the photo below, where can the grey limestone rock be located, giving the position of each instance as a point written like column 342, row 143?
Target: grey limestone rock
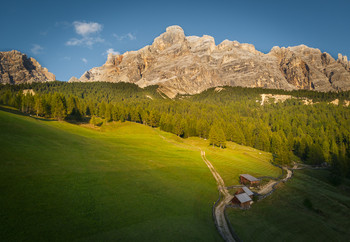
column 189, row 65
column 16, row 68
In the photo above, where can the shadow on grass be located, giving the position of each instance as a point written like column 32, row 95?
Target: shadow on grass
column 15, row 111
column 84, row 120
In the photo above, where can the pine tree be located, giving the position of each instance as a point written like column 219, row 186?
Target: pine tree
column 93, row 120
column 58, row 105
column 279, row 149
column 102, row 109
column 315, row 155
column 39, row 106
column 108, row 113
column 202, row 128
column 179, row 127
column 217, row 136
column 326, row 151
column 213, row 137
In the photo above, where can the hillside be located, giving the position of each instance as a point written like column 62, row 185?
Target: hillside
column 292, row 125
column 182, row 64
column 120, row 181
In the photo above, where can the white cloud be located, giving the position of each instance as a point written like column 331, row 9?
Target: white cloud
column 85, row 41
column 68, row 58
column 129, row 36
column 84, row 60
column 111, row 50
column 85, row 29
column 88, row 32
column 36, row 49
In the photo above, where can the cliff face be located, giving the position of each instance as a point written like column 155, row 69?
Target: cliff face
column 189, row 65
column 16, row 68
column 308, row 68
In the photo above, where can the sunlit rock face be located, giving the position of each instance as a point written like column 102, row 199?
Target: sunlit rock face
column 191, row 64
column 16, row 68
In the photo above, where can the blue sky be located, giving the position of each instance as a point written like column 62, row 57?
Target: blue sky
column 70, row 37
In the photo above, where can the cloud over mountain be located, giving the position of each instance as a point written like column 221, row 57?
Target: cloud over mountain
column 88, row 32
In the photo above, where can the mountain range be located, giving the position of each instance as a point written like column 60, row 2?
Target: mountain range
column 181, row 64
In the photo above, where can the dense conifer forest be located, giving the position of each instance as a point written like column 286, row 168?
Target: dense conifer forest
column 317, row 134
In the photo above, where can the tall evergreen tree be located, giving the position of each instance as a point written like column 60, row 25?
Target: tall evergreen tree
column 217, row 136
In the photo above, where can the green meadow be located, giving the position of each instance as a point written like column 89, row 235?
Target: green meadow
column 61, row 181
column 121, row 181
column 127, row 181
column 306, row 208
column 237, row 159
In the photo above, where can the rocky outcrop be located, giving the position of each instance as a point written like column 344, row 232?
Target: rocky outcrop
column 16, row 68
column 74, row 79
column 308, row 68
column 343, row 60
column 189, row 65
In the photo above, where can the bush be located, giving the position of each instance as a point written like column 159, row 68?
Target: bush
column 96, row 121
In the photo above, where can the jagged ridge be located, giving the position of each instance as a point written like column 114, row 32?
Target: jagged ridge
column 16, row 68
column 189, row 65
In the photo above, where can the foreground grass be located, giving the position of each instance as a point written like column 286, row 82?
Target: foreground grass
column 60, row 181
column 122, row 181
column 284, row 216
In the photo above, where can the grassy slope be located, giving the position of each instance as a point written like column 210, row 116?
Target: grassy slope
column 237, row 159
column 125, row 181
column 64, row 182
column 283, row 217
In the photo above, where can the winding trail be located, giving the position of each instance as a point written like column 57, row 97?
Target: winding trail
column 221, row 223
column 219, row 211
column 270, row 185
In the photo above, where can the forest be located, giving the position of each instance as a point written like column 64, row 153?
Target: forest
column 317, row 134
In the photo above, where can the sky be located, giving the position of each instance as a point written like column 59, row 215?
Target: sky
column 71, row 37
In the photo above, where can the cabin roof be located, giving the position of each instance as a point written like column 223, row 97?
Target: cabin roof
column 249, row 177
column 247, row 190
column 243, row 197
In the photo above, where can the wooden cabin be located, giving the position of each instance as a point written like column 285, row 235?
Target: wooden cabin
column 249, row 180
column 242, row 199
column 245, row 190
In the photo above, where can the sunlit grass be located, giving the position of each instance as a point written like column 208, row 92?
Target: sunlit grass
column 122, row 182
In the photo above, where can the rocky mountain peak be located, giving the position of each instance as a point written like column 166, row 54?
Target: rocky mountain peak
column 73, row 79
column 16, row 68
column 189, row 65
column 174, row 29
column 343, row 60
column 174, row 35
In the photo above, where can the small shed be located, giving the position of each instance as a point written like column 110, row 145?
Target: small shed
column 243, row 200
column 245, row 190
column 247, row 179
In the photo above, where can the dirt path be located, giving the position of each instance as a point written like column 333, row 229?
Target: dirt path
column 289, row 174
column 219, row 212
column 269, row 186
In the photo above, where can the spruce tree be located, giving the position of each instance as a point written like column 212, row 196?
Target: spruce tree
column 217, row 136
